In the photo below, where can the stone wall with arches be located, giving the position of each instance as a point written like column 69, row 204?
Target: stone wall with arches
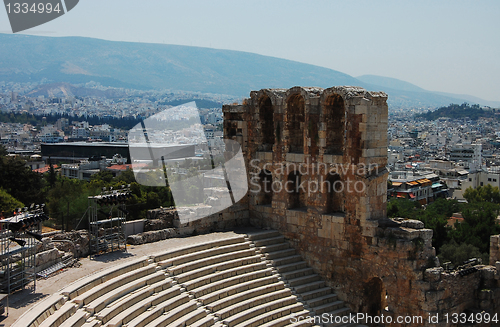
column 316, row 160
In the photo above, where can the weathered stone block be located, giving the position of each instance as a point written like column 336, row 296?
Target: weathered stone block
column 433, row 274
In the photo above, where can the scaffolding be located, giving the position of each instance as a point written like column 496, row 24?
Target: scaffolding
column 18, row 243
column 107, row 214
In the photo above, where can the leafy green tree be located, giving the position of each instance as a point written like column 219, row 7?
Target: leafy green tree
column 126, row 177
column 52, row 176
column 8, row 203
column 20, row 181
column 485, row 193
column 434, row 216
column 479, row 224
column 3, row 151
column 402, row 208
column 68, row 201
column 104, row 175
column 457, row 254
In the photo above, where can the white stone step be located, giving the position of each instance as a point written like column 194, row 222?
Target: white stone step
column 287, row 319
column 291, row 267
column 270, row 241
column 76, row 320
column 251, row 302
column 111, row 284
column 168, row 297
column 38, row 313
column 82, row 285
column 249, row 314
column 280, row 254
column 189, row 319
column 303, row 288
column 197, row 247
column 263, row 234
column 294, row 282
column 245, row 295
column 268, row 316
column 126, row 302
column 316, row 293
column 277, row 262
column 60, row 315
column 188, row 266
column 102, row 301
column 205, row 322
column 212, row 287
column 169, row 316
column 297, row 273
column 329, row 307
column 274, row 247
column 320, row 300
column 194, row 256
column 237, row 288
column 199, row 277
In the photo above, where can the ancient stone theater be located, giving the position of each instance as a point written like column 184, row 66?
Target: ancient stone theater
column 309, row 238
column 317, row 173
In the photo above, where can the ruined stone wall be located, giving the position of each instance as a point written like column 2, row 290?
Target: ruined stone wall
column 230, row 218
column 494, row 249
column 315, row 138
column 449, row 292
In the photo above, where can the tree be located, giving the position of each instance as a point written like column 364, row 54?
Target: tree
column 20, row 181
column 457, row 254
column 485, row 193
column 52, row 177
column 68, row 200
column 3, row 151
column 403, row 208
column 479, row 224
column 8, row 203
column 127, row 177
column 104, row 175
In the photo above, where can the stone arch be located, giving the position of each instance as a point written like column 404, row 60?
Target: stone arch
column 266, row 191
column 334, row 193
column 266, row 119
column 296, row 120
column 374, row 297
column 333, row 117
column 296, row 194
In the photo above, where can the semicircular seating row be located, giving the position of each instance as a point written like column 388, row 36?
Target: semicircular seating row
column 247, row 280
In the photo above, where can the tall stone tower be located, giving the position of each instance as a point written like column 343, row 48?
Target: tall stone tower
column 317, row 161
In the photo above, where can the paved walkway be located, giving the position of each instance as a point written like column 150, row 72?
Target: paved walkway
column 23, row 300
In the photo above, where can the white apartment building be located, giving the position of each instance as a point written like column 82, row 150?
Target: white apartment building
column 468, row 154
column 481, row 178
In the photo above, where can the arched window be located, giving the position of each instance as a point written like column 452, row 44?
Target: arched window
column 266, row 119
column 296, row 123
column 266, row 181
column 296, row 193
column 335, row 190
column 334, row 117
column 374, row 298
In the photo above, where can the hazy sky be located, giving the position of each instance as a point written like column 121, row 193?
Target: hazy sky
column 448, row 46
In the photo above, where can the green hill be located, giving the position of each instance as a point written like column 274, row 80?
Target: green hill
column 457, row 111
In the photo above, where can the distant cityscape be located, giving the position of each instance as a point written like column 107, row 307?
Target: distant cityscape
column 77, row 111
column 426, row 159
column 442, row 157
